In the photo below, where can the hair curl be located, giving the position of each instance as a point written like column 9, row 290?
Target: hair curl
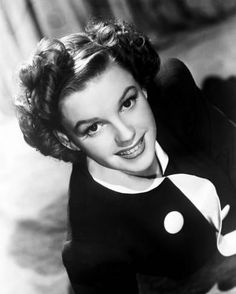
column 61, row 66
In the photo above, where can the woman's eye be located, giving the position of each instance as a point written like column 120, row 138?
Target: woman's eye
column 129, row 102
column 93, row 129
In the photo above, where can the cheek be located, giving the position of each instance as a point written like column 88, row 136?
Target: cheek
column 146, row 116
column 96, row 147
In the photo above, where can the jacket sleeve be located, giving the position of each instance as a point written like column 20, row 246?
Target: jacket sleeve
column 100, row 275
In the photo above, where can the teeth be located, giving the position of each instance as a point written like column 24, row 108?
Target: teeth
column 132, row 150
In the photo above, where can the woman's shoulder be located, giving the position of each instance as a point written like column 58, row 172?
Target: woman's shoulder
column 174, row 86
column 178, row 104
column 173, row 71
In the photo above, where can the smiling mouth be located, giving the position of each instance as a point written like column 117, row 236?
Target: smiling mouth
column 133, row 152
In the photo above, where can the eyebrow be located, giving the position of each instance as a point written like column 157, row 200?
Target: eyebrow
column 95, row 119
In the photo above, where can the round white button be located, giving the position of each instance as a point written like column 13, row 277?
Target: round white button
column 173, row 222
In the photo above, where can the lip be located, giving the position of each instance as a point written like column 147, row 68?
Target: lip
column 133, row 151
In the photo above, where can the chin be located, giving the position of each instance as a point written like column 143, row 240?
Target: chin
column 141, row 165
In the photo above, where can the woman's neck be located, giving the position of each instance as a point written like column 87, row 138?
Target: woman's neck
column 121, row 178
column 152, row 172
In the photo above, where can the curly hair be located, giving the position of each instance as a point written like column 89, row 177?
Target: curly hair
column 62, row 66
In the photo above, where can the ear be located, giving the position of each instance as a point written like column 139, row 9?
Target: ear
column 145, row 93
column 66, row 141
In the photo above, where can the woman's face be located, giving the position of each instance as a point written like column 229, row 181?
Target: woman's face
column 111, row 121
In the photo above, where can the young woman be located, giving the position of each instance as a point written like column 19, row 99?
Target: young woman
column 99, row 99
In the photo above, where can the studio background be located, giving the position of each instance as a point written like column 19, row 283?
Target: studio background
column 33, row 188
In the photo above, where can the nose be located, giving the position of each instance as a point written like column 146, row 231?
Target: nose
column 124, row 133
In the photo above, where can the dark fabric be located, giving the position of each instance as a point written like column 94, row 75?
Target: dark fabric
column 221, row 93
column 178, row 105
column 194, row 123
column 222, row 138
column 114, row 236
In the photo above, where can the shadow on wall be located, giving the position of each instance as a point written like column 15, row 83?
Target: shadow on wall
column 37, row 243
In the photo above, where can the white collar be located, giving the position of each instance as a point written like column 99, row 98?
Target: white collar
column 163, row 160
column 162, row 156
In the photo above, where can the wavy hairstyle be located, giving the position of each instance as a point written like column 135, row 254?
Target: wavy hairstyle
column 62, row 66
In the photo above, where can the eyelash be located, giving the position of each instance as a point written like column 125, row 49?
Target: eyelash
column 87, row 131
column 133, row 99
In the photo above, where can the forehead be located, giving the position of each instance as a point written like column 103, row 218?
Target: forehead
column 99, row 96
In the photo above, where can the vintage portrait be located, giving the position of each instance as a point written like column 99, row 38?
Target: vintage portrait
column 118, row 147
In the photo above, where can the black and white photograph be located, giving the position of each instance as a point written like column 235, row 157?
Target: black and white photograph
column 118, row 147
